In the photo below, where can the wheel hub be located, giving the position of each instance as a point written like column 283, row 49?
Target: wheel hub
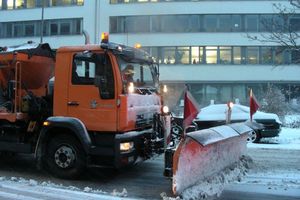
column 64, row 157
column 252, row 137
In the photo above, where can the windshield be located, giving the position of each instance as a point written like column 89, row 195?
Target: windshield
column 142, row 75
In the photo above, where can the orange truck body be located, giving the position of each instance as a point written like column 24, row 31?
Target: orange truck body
column 47, row 113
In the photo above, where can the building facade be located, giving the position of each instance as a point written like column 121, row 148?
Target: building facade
column 202, row 43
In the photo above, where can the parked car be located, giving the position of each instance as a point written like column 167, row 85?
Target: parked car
column 215, row 115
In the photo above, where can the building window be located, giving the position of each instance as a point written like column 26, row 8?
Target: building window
column 138, row 24
column 210, row 23
column 252, row 23
column 266, row 55
column 252, row 55
column 53, row 29
column 237, row 55
column 225, row 55
column 224, row 23
column 197, row 55
column 236, row 23
column 33, row 28
column 169, row 54
column 29, row 29
column 211, row 55
column 183, row 55
column 30, row 4
column 65, row 28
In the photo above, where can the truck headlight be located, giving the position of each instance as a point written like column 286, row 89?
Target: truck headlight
column 126, row 146
column 130, row 88
column 165, row 109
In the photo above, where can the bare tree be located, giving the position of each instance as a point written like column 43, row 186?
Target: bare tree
column 282, row 29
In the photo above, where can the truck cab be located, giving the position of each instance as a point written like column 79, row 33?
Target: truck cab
column 103, row 108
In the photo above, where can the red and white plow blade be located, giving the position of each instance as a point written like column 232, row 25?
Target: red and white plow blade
column 206, row 152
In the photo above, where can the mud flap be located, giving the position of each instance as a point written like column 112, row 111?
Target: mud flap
column 206, row 152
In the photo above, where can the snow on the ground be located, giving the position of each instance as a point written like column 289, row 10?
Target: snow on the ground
column 289, row 138
column 23, row 189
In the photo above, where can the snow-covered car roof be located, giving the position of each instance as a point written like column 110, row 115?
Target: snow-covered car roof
column 218, row 112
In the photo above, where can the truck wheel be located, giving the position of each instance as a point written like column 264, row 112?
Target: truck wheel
column 65, row 157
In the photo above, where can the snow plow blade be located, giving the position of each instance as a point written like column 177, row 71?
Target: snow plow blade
column 206, row 152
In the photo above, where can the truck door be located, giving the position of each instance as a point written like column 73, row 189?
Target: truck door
column 91, row 95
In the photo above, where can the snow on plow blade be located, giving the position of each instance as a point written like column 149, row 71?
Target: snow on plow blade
column 206, row 152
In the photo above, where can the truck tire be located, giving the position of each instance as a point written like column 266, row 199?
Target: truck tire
column 65, row 157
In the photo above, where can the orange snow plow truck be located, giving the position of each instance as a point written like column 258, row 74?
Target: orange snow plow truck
column 100, row 105
column 79, row 106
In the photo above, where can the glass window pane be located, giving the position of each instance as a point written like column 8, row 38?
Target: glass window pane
column 169, row 23
column 65, row 28
column 225, row 94
column 182, row 23
column 210, row 23
column 237, row 59
column 29, row 29
column 295, row 56
column 113, row 24
column 266, row 55
column 279, row 55
column 18, row 30
column 240, row 92
column 295, row 23
column 194, row 23
column 30, row 3
column 0, row 4
column 183, row 55
column 252, row 23
column 80, row 2
column 155, row 24
column 66, row 2
column 225, row 55
column 236, row 23
column 53, row 29
column 10, row 4
column 211, row 55
column 224, row 23
column 9, row 28
column 20, row 4
column 195, row 55
column 168, row 55
column 252, row 55
column 266, row 23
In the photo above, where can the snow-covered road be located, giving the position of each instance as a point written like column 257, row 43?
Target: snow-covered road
column 275, row 175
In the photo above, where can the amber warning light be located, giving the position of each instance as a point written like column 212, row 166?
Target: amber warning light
column 104, row 37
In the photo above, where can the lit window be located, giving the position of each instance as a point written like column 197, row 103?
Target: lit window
column 237, row 56
column 225, row 55
column 10, row 4
column 211, row 55
column 183, row 55
column 252, row 55
column 20, row 4
column 80, row 2
column 30, row 4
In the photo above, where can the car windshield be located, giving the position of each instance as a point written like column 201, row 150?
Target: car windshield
column 142, row 75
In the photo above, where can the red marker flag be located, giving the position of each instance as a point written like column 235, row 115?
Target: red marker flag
column 191, row 109
column 253, row 104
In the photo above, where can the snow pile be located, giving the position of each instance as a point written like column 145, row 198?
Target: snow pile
column 212, row 187
column 292, row 121
column 30, row 189
column 289, row 138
